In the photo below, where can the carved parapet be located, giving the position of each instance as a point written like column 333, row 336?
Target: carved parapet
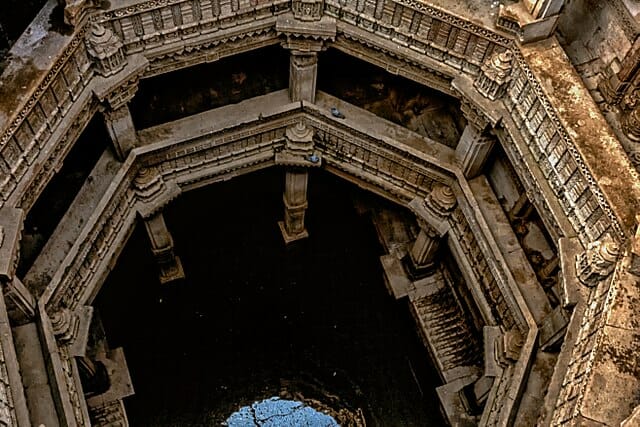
column 598, row 261
column 152, row 191
column 307, row 10
column 106, row 50
column 495, row 75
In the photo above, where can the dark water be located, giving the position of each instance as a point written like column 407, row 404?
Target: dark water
column 254, row 318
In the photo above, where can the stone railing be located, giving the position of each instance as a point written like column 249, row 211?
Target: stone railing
column 44, row 126
column 551, row 147
column 145, row 25
column 421, row 28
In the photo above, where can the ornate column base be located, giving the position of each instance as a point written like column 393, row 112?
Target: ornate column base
column 291, row 237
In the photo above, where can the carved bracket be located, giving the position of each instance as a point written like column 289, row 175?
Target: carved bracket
column 598, row 261
column 153, row 192
column 299, row 148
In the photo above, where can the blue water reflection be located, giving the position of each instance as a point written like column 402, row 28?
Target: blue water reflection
column 276, row 412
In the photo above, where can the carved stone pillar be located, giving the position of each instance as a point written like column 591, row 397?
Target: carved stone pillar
column 306, row 30
column 162, row 247
column 295, row 205
column 121, row 130
column 107, row 53
column 303, row 72
column 432, row 215
column 473, row 150
column 153, row 194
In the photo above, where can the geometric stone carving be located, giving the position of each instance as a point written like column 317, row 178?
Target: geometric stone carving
column 307, row 10
column 495, row 75
column 598, row 261
column 106, row 51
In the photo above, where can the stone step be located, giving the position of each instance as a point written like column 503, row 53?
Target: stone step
column 444, row 326
column 71, row 224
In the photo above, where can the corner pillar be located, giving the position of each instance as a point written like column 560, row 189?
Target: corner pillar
column 295, row 205
column 163, row 248
column 153, row 193
column 473, row 150
column 121, row 130
column 303, row 73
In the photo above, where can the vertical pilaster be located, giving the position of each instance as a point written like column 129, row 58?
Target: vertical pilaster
column 121, row 130
column 303, row 73
column 295, row 205
column 162, row 247
column 473, row 150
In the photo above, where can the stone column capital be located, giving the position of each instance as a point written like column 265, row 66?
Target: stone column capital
column 152, row 192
